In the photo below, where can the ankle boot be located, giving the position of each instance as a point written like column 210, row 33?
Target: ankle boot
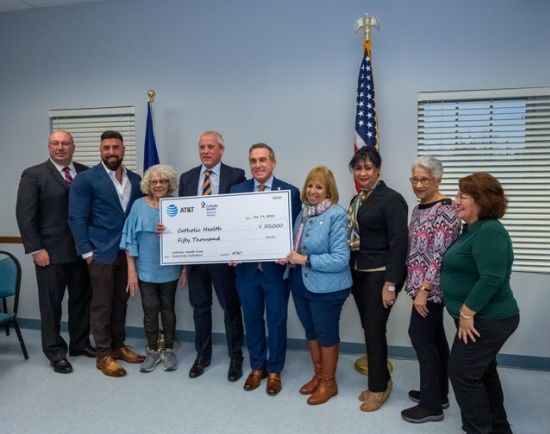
column 315, row 352
column 327, row 387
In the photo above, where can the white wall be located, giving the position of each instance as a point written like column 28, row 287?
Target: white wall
column 283, row 72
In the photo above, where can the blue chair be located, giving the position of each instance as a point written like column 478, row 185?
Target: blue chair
column 10, row 283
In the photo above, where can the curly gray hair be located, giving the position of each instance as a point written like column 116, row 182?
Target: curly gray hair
column 164, row 171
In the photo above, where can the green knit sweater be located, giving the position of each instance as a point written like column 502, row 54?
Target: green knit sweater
column 476, row 271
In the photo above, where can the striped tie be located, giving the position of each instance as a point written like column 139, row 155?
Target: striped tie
column 207, row 183
column 68, row 177
column 261, row 187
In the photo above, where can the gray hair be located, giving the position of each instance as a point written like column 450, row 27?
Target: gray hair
column 431, row 164
column 164, row 171
column 219, row 137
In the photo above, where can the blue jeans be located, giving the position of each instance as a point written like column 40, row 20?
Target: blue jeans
column 474, row 377
column 319, row 313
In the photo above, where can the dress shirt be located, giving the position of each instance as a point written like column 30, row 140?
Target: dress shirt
column 123, row 189
column 214, row 179
column 267, row 184
column 60, row 168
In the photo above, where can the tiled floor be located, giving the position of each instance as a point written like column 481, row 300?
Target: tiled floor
column 33, row 399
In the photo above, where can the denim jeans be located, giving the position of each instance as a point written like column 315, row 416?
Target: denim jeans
column 474, row 377
column 432, row 350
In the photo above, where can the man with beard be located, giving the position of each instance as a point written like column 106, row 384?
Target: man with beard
column 99, row 202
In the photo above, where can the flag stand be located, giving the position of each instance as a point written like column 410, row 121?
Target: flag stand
column 367, row 23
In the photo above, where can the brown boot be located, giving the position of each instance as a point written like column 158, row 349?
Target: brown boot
column 327, row 387
column 311, row 385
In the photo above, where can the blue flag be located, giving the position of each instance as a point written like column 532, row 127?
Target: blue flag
column 150, row 154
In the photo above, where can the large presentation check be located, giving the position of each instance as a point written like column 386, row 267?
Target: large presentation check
column 242, row 227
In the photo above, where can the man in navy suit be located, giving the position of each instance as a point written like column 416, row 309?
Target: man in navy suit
column 42, row 209
column 213, row 177
column 261, row 286
column 99, row 202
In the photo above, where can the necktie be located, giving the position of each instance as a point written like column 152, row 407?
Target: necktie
column 261, row 187
column 207, row 183
column 68, row 177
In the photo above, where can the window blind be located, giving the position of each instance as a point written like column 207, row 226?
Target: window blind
column 87, row 124
column 505, row 132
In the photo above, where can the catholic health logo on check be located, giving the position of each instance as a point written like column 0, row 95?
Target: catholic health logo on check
column 211, row 208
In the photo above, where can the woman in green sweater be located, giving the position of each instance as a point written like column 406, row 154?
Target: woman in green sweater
column 475, row 280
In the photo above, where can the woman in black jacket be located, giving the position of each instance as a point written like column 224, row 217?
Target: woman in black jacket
column 378, row 241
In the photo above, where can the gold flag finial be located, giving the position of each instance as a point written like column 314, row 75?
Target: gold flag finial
column 151, row 95
column 367, row 22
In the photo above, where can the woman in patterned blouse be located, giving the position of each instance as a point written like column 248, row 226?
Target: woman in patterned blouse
column 433, row 227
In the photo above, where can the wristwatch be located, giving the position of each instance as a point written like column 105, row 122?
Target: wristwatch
column 308, row 263
column 390, row 288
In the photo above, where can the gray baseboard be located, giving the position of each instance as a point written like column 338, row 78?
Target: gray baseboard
column 396, row 352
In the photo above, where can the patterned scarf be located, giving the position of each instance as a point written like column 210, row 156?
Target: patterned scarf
column 307, row 212
column 353, row 224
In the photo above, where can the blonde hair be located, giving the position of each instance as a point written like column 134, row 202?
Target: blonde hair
column 325, row 176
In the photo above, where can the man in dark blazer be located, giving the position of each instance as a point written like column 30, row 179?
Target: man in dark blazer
column 261, row 286
column 41, row 210
column 213, row 177
column 100, row 199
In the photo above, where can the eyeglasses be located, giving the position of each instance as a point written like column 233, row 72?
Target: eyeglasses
column 58, row 143
column 424, row 181
column 461, row 196
column 159, row 182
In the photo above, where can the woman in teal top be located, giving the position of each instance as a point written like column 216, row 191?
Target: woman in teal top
column 157, row 283
column 475, row 280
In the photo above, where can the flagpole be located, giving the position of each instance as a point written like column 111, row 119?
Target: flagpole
column 366, row 23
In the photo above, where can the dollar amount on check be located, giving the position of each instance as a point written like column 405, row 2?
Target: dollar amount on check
column 243, row 227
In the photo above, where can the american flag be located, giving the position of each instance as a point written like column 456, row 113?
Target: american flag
column 366, row 132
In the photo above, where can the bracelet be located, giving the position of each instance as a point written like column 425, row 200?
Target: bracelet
column 463, row 315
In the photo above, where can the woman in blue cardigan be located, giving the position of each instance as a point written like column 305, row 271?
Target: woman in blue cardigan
column 320, row 278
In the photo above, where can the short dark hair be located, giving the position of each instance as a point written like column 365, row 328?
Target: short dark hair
column 110, row 134
column 366, row 153
column 263, row 146
column 487, row 193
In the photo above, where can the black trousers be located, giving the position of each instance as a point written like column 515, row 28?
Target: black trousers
column 474, row 377
column 52, row 281
column 432, row 350
column 222, row 277
column 109, row 304
column 159, row 298
column 367, row 291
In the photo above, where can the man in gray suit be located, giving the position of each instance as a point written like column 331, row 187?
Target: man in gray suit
column 42, row 216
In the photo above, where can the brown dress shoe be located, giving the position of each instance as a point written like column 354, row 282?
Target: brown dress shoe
column 109, row 366
column 273, row 384
column 254, row 379
column 128, row 355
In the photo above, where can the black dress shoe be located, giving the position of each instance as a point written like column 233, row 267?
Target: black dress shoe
column 62, row 366
column 235, row 369
column 88, row 351
column 198, row 367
